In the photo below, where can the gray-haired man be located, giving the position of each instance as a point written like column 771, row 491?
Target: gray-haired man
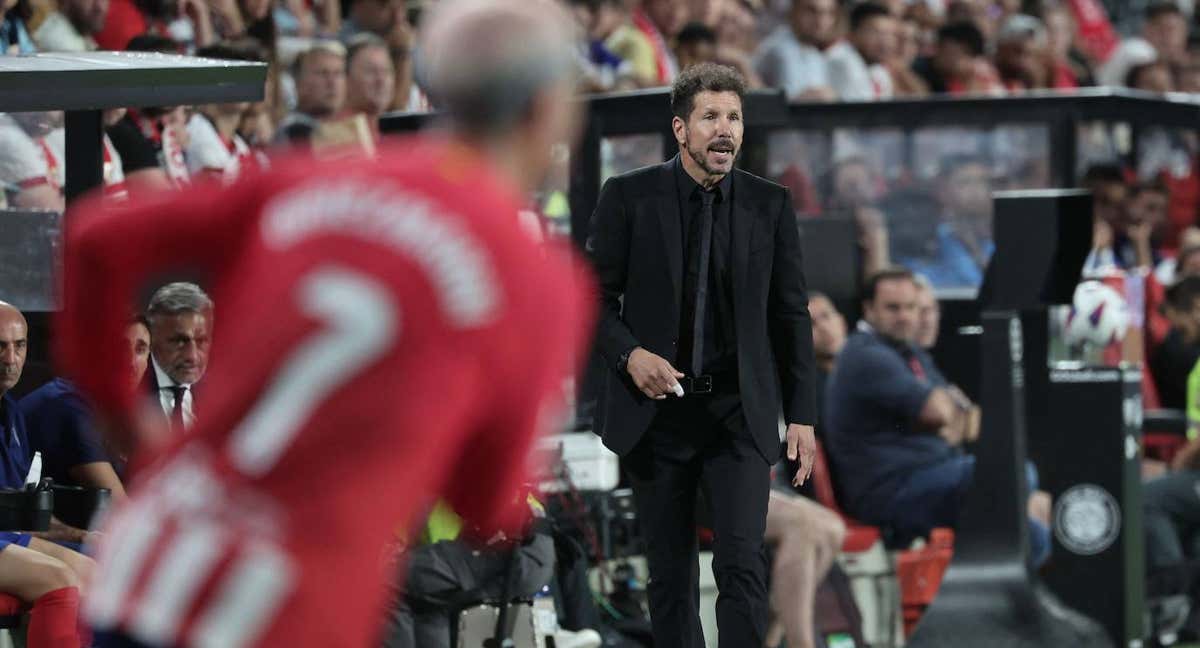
column 180, row 316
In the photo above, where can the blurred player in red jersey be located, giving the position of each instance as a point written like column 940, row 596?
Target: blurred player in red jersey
column 388, row 335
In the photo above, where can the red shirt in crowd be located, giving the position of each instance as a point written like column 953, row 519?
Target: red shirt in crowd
column 385, row 334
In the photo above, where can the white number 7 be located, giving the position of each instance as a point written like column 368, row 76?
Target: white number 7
column 361, row 321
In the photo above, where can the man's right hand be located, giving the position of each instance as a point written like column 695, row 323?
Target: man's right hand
column 652, row 374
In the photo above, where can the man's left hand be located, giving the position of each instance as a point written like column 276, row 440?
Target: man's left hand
column 801, row 444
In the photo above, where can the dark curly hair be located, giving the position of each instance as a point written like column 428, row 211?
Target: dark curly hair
column 704, row 77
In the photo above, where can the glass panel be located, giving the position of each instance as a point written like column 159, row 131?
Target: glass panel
column 797, row 160
column 943, row 227
column 31, row 201
column 29, row 253
column 622, row 153
column 1100, row 143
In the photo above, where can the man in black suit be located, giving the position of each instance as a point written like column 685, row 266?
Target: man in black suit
column 180, row 317
column 705, row 326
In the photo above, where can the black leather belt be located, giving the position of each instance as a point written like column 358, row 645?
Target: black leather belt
column 696, row 384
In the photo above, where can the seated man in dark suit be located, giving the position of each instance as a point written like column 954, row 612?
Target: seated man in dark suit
column 180, row 317
column 62, row 426
column 895, row 427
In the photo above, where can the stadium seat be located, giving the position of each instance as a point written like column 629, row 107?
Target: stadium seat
column 1162, row 445
column 918, row 570
column 920, row 573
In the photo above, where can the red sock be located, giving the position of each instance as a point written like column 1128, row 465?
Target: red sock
column 54, row 619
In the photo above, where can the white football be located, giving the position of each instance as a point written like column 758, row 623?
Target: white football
column 1098, row 315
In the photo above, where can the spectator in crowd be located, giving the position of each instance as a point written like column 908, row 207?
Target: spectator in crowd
column 214, row 147
column 181, row 320
column 929, row 314
column 895, row 427
column 62, row 427
column 1163, row 38
column 601, row 69
column 14, row 35
column 961, row 244
column 379, row 17
column 24, row 173
column 1137, row 243
column 856, row 70
column 1021, row 56
column 660, row 21
column 141, row 159
column 612, row 28
column 370, row 78
column 792, row 56
column 854, row 190
column 185, row 24
column 829, row 336
column 1173, row 360
column 35, row 570
column 905, row 80
column 70, row 27
column 1069, row 68
column 389, row 21
column 151, row 141
column 698, row 43
column 299, row 18
column 957, row 65
column 1109, row 193
column 1154, row 76
column 54, row 148
column 320, row 74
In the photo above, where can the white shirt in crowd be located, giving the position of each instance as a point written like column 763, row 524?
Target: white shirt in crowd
column 784, row 62
column 22, row 162
column 166, row 397
column 57, row 34
column 852, row 79
column 1131, row 53
column 207, row 152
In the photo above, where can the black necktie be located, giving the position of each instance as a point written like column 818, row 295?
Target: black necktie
column 177, row 413
column 705, row 221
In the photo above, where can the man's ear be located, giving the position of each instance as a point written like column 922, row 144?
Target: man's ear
column 679, row 127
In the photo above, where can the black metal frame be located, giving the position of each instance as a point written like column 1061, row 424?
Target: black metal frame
column 648, row 111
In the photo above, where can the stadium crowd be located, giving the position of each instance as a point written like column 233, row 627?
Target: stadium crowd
column 336, row 65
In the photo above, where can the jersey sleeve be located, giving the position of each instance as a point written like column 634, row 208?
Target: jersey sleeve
column 548, row 333
column 110, row 251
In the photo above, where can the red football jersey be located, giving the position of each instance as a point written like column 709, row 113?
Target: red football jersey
column 385, row 334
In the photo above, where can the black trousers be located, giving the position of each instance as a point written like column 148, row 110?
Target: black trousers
column 701, row 442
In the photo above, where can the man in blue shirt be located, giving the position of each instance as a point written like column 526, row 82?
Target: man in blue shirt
column 962, row 243
column 895, row 427
column 60, row 425
column 32, row 569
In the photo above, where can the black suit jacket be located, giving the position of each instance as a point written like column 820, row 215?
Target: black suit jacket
column 151, row 390
column 636, row 246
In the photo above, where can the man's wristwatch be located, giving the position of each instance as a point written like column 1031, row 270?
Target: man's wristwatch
column 623, row 360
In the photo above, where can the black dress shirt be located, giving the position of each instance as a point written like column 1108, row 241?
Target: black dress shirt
column 720, row 343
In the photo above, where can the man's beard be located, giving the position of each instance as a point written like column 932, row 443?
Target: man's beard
column 700, row 157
